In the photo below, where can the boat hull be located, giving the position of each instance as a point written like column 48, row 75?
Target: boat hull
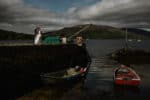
column 127, row 82
column 71, row 79
column 124, row 75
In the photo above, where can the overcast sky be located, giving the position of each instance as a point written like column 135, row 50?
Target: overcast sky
column 25, row 15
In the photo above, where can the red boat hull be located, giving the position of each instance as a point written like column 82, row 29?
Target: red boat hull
column 127, row 82
column 124, row 75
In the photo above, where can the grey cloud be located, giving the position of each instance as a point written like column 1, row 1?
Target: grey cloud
column 16, row 13
column 17, row 16
column 119, row 12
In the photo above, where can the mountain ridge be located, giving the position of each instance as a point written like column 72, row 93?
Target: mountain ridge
column 138, row 31
column 93, row 32
column 96, row 32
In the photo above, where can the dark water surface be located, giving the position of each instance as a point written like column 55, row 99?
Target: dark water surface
column 101, row 70
column 99, row 82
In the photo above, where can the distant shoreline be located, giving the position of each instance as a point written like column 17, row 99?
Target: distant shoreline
column 93, row 32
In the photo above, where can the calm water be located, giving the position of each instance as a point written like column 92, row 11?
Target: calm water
column 101, row 71
column 99, row 82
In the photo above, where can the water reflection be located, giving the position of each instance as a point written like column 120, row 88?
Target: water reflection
column 122, row 91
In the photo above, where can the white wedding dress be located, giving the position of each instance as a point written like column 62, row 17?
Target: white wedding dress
column 37, row 39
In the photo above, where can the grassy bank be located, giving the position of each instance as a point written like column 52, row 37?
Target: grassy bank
column 21, row 66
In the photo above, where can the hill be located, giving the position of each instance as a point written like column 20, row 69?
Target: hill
column 96, row 32
column 138, row 31
column 93, row 32
column 9, row 35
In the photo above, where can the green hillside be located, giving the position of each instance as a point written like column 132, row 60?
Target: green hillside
column 96, row 32
column 9, row 35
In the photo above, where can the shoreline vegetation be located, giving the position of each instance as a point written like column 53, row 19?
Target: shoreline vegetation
column 93, row 32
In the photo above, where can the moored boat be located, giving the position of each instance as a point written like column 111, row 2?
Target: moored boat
column 124, row 75
column 71, row 74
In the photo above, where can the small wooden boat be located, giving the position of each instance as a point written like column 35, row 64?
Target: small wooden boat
column 71, row 74
column 124, row 75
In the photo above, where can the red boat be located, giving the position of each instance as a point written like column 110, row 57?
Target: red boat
column 124, row 75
